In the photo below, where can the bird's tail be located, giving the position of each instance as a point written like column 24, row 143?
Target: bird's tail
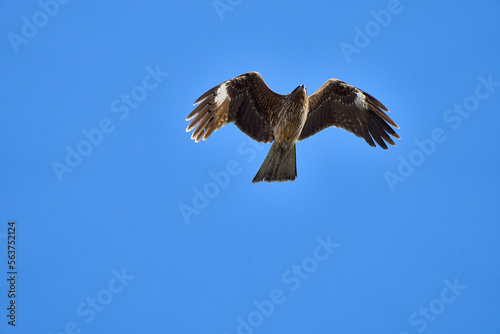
column 279, row 165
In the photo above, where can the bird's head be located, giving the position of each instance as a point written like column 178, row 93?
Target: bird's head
column 299, row 93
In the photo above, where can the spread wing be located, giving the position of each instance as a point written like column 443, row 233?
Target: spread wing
column 339, row 104
column 245, row 100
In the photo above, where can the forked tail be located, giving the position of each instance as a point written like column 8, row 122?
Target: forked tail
column 279, row 165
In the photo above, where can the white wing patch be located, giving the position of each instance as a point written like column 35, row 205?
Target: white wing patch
column 221, row 95
column 360, row 100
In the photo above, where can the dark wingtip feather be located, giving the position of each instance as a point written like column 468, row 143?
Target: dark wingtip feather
column 367, row 137
column 380, row 109
column 206, row 94
column 371, row 143
column 198, row 110
column 376, row 102
column 383, row 115
column 389, row 141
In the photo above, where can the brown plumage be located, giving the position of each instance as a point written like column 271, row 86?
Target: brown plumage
column 285, row 119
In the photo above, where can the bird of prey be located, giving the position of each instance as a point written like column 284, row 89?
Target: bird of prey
column 266, row 116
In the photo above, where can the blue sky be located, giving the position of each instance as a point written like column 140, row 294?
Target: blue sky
column 124, row 224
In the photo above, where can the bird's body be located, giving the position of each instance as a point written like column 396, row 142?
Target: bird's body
column 285, row 119
column 289, row 118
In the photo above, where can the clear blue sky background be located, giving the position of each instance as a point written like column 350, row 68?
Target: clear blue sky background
column 119, row 239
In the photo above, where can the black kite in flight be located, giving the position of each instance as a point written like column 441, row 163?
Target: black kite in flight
column 285, row 119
